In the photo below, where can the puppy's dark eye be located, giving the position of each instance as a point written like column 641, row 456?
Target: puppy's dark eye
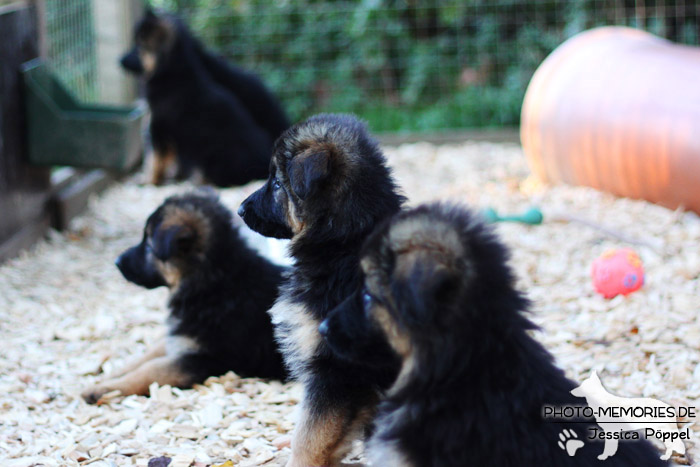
column 276, row 185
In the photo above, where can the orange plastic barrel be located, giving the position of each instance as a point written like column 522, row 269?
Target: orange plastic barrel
column 618, row 109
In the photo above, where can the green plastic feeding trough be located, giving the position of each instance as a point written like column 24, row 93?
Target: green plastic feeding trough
column 64, row 131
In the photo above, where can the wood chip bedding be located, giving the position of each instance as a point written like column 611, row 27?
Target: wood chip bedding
column 66, row 315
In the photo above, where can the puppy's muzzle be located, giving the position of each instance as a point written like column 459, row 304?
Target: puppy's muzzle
column 131, row 62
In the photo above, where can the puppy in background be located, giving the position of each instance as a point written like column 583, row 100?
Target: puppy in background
column 471, row 383
column 328, row 187
column 220, row 291
column 207, row 117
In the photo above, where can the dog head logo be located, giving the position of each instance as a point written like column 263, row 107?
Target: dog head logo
column 589, row 386
column 615, row 414
column 328, row 180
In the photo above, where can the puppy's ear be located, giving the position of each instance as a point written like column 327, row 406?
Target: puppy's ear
column 306, row 171
column 422, row 291
column 149, row 13
column 173, row 240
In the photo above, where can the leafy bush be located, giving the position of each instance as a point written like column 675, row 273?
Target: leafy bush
column 411, row 64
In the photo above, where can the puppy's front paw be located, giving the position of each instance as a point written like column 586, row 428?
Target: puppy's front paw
column 94, row 394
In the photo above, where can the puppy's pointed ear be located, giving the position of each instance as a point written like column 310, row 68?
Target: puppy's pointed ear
column 307, row 170
column 172, row 241
column 149, row 13
column 421, row 290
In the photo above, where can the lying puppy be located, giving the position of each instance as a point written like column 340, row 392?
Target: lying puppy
column 220, row 293
column 197, row 119
column 471, row 382
column 328, row 187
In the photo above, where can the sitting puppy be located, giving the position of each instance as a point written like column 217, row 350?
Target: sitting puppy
column 471, row 382
column 220, row 293
column 213, row 119
column 328, row 187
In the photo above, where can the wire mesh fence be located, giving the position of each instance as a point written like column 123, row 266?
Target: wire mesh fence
column 70, row 37
column 400, row 64
column 413, row 65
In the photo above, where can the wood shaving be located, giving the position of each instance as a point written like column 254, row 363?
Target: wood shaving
column 66, row 314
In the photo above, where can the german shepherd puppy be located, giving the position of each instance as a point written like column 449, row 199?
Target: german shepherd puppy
column 472, row 383
column 206, row 115
column 220, row 293
column 328, row 187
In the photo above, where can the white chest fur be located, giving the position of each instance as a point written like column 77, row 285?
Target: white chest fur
column 176, row 345
column 297, row 334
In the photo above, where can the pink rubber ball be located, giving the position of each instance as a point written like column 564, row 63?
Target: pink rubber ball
column 617, row 272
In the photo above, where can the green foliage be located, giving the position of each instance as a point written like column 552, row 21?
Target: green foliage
column 406, row 64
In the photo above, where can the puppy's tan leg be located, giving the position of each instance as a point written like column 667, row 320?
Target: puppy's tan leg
column 324, row 439
column 162, row 161
column 158, row 350
column 317, row 437
column 163, row 370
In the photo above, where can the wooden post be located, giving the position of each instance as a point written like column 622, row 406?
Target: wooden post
column 24, row 190
column 114, row 22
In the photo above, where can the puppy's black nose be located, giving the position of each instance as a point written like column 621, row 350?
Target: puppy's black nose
column 323, row 328
column 241, row 209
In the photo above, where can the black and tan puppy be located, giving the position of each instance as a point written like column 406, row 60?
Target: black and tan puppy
column 208, row 116
column 328, row 187
column 220, row 289
column 472, row 383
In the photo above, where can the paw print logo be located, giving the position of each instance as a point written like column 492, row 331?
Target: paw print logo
column 569, row 442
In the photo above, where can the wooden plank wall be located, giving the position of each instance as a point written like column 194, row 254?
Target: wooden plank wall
column 24, row 190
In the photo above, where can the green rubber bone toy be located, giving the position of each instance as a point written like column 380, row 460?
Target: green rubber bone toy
column 532, row 216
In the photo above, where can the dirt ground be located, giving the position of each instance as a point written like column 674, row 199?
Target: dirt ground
column 66, row 314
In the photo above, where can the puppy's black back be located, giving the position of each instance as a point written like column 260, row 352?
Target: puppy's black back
column 225, row 310
column 201, row 120
column 262, row 105
column 479, row 382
